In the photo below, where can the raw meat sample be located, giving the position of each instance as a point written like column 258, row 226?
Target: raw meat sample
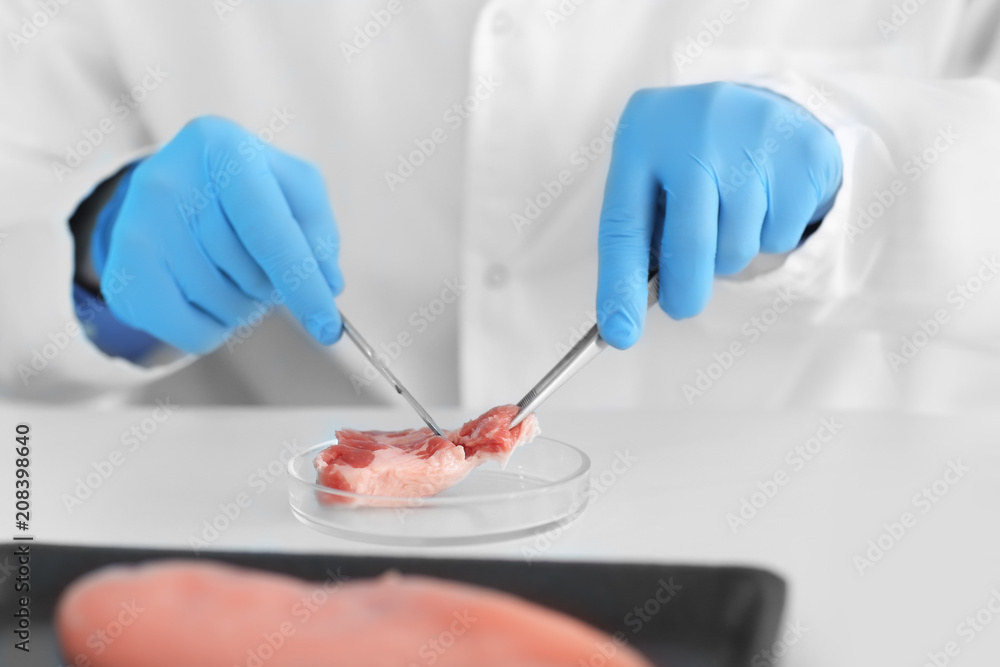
column 418, row 463
column 198, row 614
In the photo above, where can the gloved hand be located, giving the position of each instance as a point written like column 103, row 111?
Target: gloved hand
column 739, row 170
column 212, row 222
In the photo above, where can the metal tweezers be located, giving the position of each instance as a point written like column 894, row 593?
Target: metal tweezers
column 369, row 352
column 579, row 356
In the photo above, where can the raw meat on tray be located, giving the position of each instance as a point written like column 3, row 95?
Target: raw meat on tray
column 417, row 463
column 205, row 614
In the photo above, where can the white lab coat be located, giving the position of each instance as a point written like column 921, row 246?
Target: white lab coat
column 472, row 302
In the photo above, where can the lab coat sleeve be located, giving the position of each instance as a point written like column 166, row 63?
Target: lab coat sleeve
column 915, row 219
column 67, row 122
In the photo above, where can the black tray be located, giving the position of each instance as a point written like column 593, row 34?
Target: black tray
column 720, row 617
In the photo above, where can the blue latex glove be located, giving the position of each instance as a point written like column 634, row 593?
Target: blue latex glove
column 743, row 171
column 213, row 223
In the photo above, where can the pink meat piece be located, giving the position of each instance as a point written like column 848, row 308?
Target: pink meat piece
column 416, row 463
column 205, row 614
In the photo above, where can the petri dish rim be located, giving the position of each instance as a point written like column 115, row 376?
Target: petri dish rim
column 581, row 470
column 490, row 537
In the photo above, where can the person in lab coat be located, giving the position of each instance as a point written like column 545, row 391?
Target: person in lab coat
column 186, row 186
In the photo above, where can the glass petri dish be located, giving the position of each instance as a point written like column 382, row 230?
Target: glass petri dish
column 544, row 485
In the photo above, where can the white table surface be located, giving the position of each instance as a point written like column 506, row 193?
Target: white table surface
column 670, row 507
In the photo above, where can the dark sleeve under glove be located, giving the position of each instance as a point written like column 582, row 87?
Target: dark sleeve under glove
column 91, row 225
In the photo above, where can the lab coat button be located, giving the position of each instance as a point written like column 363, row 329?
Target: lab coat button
column 496, row 276
column 502, row 23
